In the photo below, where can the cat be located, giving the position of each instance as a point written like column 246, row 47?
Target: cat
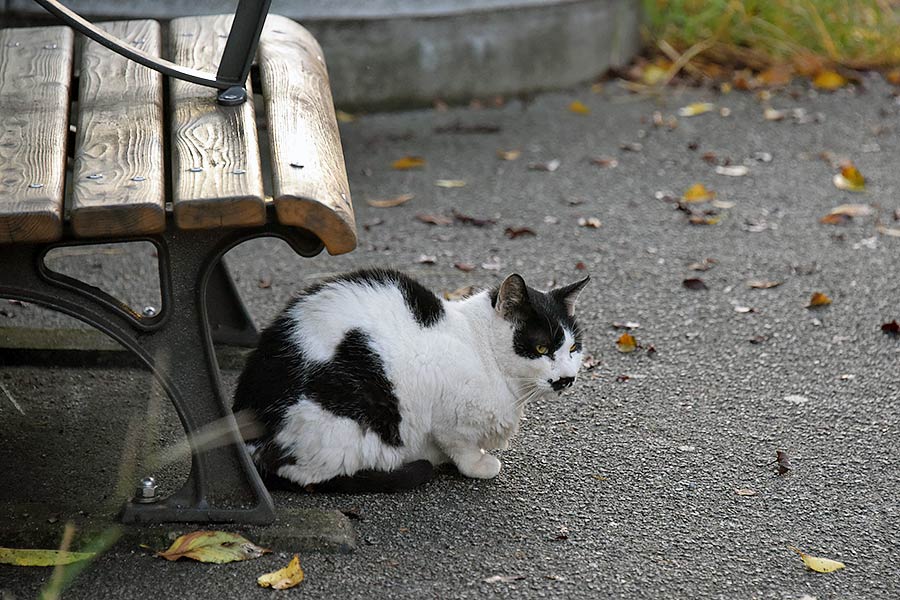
column 368, row 379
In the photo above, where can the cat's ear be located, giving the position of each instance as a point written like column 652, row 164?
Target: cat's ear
column 511, row 296
column 569, row 294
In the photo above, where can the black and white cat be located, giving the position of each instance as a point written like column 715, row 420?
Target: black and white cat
column 370, row 372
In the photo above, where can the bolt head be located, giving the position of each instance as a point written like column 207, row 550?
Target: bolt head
column 149, row 311
column 146, row 491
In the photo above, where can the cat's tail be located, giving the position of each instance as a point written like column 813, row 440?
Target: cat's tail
column 409, row 476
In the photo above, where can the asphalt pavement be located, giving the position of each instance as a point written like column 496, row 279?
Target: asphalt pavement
column 653, row 477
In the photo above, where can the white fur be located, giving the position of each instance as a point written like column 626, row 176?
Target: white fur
column 460, row 386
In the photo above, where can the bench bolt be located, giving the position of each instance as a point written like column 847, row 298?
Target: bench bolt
column 146, row 492
column 149, row 311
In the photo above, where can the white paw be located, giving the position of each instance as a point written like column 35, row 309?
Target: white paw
column 486, row 467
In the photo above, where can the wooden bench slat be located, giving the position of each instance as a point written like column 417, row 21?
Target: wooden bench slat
column 216, row 173
column 309, row 178
column 118, row 182
column 35, row 74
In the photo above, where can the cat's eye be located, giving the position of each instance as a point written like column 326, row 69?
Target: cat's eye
column 573, row 348
column 541, row 349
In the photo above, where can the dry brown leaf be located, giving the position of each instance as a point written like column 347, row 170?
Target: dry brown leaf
column 783, row 461
column 464, row 267
column 549, row 166
column 514, row 232
column 606, row 162
column 408, row 162
column 626, row 343
column 763, row 284
column 889, row 231
column 391, row 202
column 434, row 219
column 470, row 220
column 818, row 299
column 694, row 283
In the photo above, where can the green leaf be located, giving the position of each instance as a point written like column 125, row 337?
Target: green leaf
column 213, row 547
column 29, row 557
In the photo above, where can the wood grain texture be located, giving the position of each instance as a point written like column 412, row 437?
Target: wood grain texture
column 35, row 74
column 118, row 185
column 309, row 178
column 216, row 173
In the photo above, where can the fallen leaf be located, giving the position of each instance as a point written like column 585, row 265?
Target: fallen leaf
column 514, row 232
column 408, row 162
column 783, row 462
column 843, row 213
column 344, row 117
column 711, row 158
column 626, row 343
column 508, row 154
column 891, row 328
column 391, row 202
column 285, row 578
column 745, row 492
column 653, row 74
column 579, row 108
column 434, row 219
column 704, row 265
column 734, row 171
column 31, row 557
column 818, row 564
column 590, row 222
column 698, row 193
column 829, row 80
column 697, row 108
column 889, row 231
column 470, row 220
column 599, row 477
column 548, row 166
column 850, row 179
column 213, row 547
column 694, row 283
column 625, row 324
column 835, row 219
column 763, row 284
column 623, row 378
column 605, row 162
column 818, row 299
column 450, row 183
column 426, row 259
column 700, row 219
column 464, row 267
column 503, row 578
column 893, row 76
column 776, row 76
column 460, row 293
column 631, row 146
column 771, row 114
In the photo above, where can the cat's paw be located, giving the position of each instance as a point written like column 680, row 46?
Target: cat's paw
column 486, row 467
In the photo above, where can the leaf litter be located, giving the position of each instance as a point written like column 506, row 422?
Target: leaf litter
column 33, row 557
column 817, row 563
column 408, row 162
column 285, row 578
column 818, row 300
column 213, row 547
column 391, row 202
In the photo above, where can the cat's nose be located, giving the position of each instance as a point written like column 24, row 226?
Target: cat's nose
column 562, row 383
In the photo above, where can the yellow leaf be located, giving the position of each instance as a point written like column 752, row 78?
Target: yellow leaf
column 698, row 193
column 653, row 74
column 818, row 299
column 213, row 547
column 850, row 179
column 345, row 117
column 508, row 154
column 579, row 107
column 450, row 183
column 817, row 564
column 626, row 343
column 391, row 202
column 28, row 557
column 408, row 162
column 285, row 578
column 697, row 108
column 829, row 80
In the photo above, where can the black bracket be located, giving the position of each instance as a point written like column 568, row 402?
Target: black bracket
column 176, row 345
column 234, row 67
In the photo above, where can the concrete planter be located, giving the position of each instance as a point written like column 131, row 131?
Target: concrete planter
column 393, row 53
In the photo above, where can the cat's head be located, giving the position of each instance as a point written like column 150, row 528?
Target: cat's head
column 545, row 339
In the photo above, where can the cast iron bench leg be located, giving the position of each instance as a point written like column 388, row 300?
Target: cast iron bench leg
column 176, row 346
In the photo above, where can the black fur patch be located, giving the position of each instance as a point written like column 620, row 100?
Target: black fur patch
column 540, row 321
column 353, row 385
column 426, row 308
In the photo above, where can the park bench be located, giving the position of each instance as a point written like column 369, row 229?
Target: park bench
column 159, row 160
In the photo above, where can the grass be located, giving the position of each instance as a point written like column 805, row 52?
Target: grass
column 857, row 34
